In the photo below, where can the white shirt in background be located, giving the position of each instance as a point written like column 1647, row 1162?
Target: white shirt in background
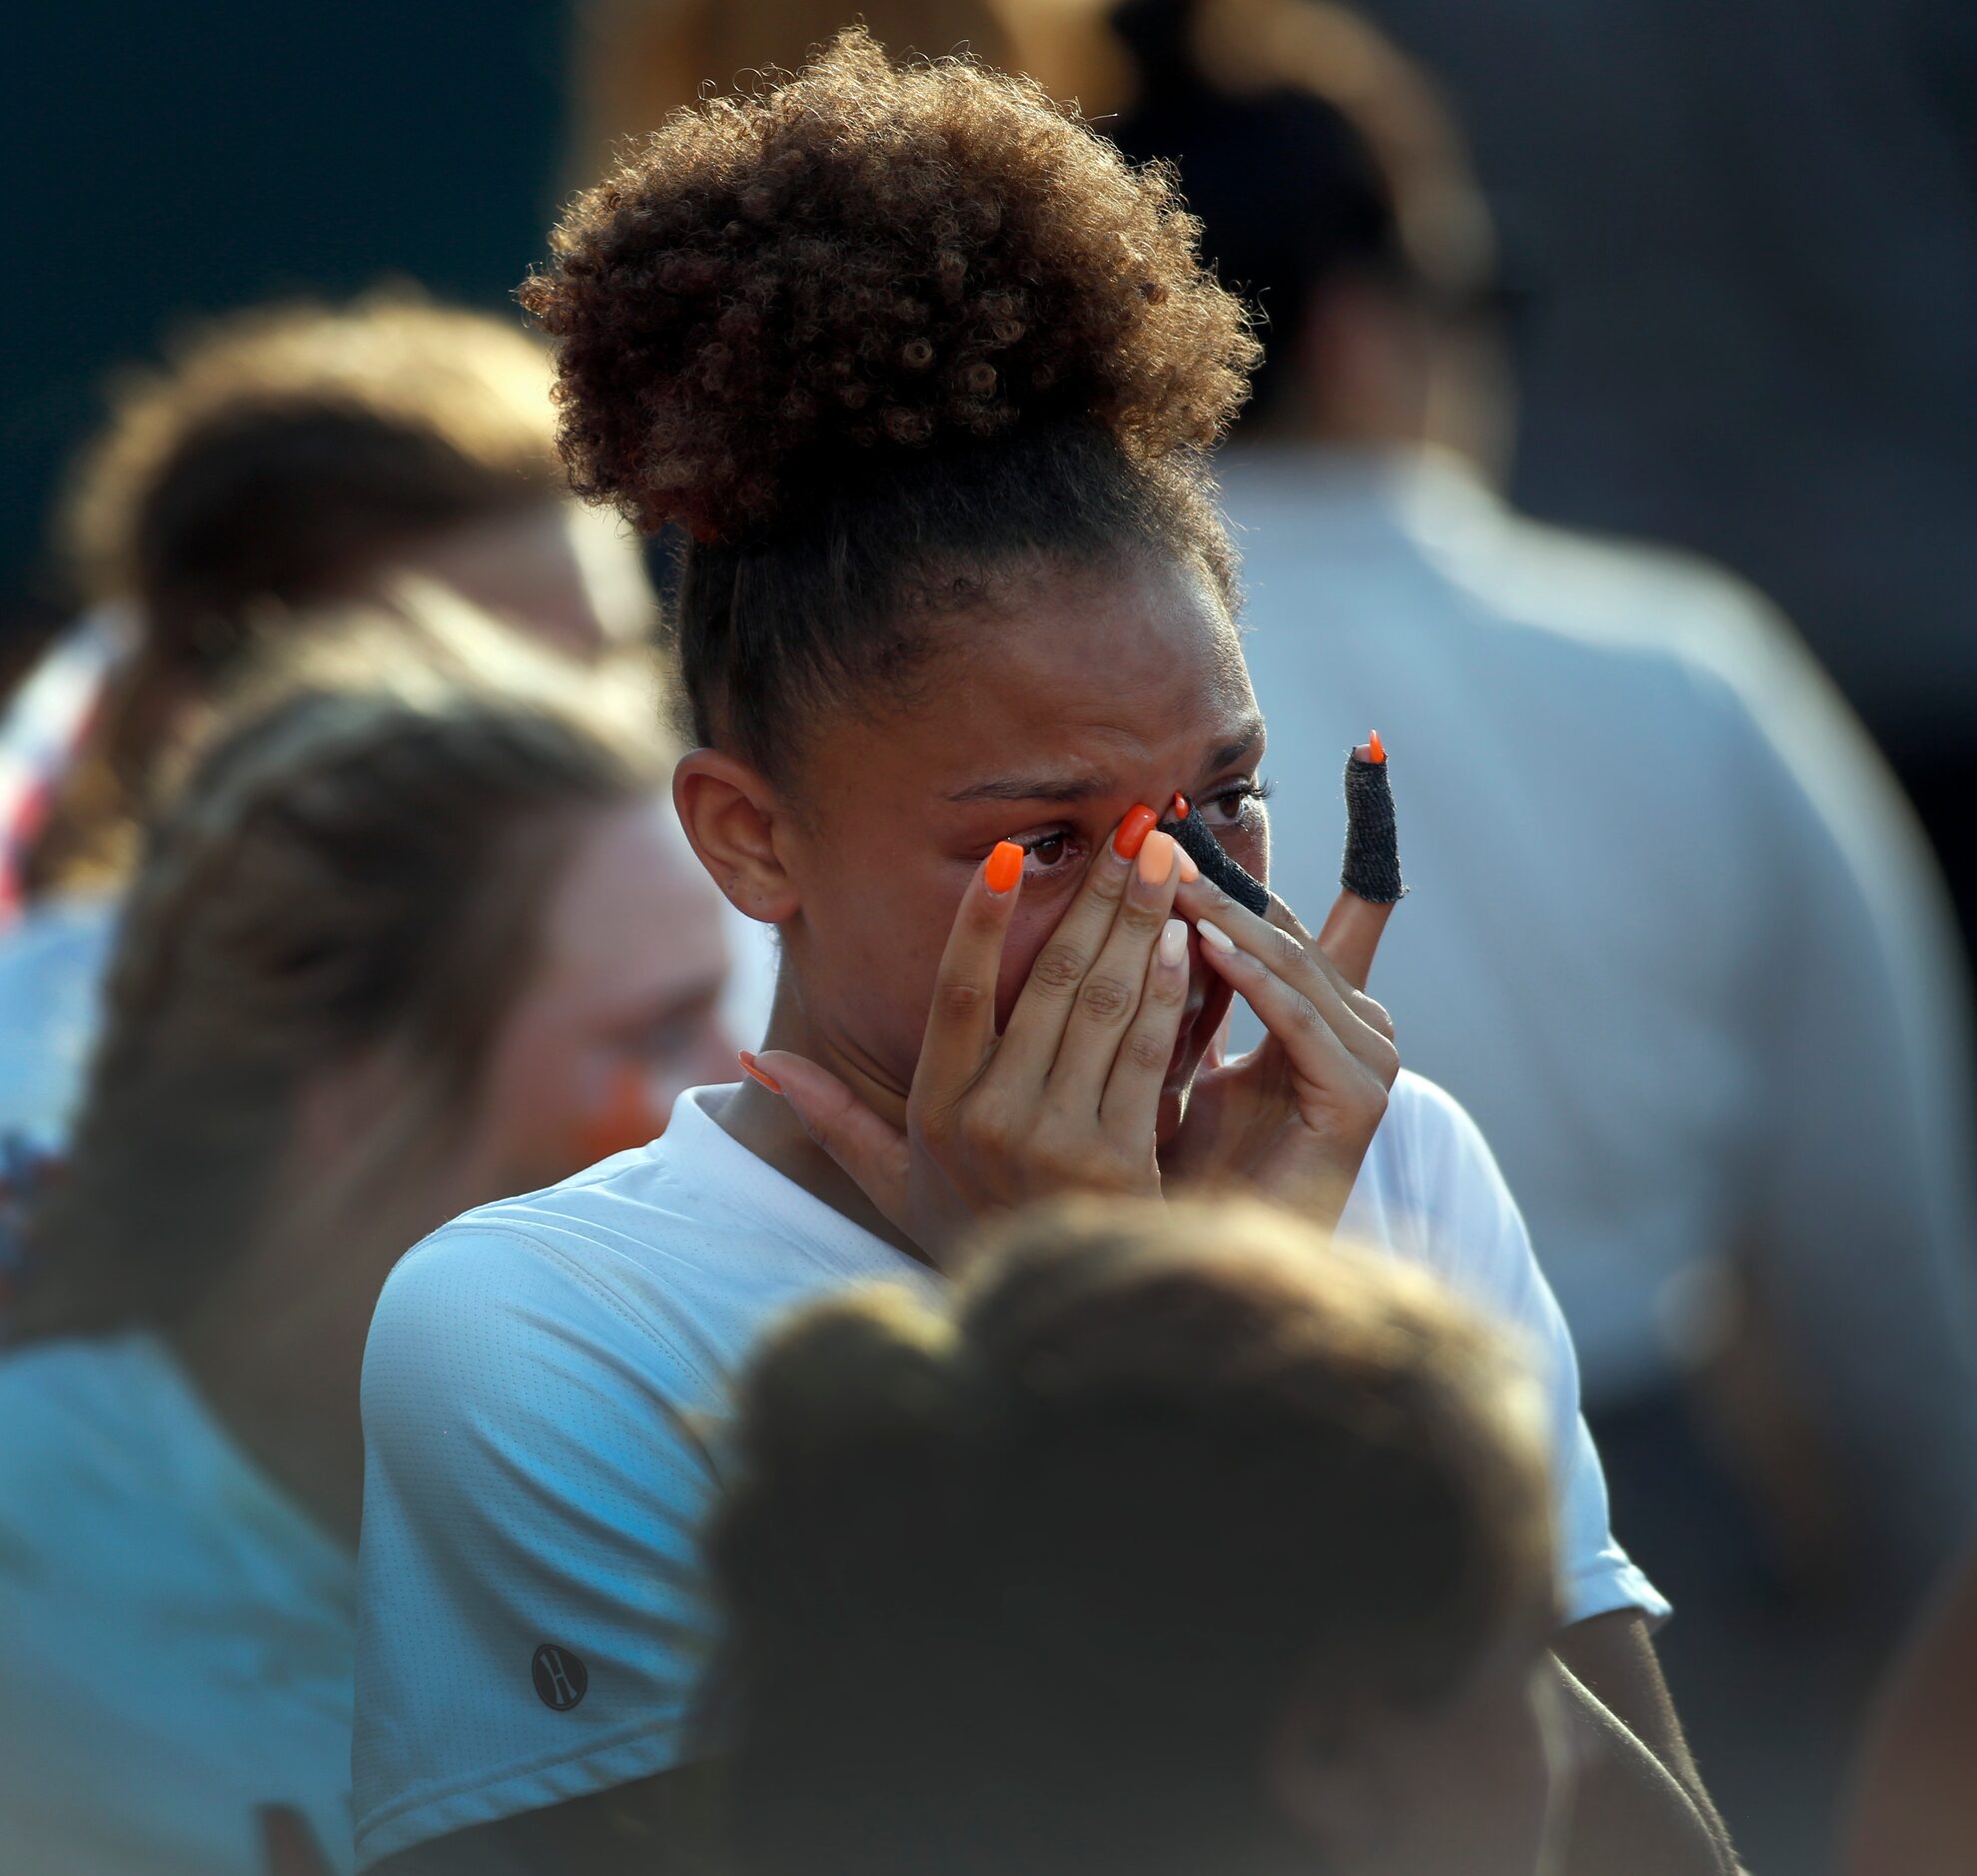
column 52, row 966
column 1672, row 935
column 176, row 1634
column 542, row 1395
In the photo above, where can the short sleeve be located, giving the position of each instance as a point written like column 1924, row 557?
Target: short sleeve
column 531, row 1622
column 1437, row 1195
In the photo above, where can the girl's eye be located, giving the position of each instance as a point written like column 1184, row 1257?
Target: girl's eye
column 1232, row 805
column 1047, row 853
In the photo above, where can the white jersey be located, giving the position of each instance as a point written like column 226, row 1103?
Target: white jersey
column 542, row 1391
column 176, row 1633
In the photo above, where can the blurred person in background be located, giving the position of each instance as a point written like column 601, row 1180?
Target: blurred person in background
column 1177, row 1540
column 279, row 457
column 419, row 930
column 1913, row 1808
column 1677, row 939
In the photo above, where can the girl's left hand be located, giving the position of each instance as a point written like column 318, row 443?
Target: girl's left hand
column 1292, row 1119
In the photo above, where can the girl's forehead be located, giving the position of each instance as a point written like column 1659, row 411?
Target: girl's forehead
column 1133, row 661
column 1078, row 675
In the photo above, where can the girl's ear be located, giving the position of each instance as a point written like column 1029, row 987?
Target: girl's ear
column 730, row 813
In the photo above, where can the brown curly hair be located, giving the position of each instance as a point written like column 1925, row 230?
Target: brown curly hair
column 912, row 300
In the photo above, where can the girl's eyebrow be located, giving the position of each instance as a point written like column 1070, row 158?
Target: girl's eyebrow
column 1065, row 788
column 1246, row 735
column 1037, row 788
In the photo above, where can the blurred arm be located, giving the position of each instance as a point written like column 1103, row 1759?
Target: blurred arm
column 1914, row 1798
column 1641, row 1803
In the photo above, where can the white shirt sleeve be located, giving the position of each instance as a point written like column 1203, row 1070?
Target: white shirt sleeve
column 1431, row 1191
column 532, row 1625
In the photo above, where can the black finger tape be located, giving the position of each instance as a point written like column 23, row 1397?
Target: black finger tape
column 1199, row 843
column 1371, row 869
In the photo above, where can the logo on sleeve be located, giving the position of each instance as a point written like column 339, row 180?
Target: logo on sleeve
column 561, row 1677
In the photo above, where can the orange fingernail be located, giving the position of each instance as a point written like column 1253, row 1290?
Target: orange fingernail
column 1133, row 832
column 1181, row 808
column 1156, row 853
column 1004, row 868
column 1376, row 751
column 750, row 1069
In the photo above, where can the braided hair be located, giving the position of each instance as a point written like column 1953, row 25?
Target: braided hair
column 356, row 860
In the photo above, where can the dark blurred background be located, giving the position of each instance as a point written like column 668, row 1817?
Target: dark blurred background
column 1749, row 231
column 174, row 161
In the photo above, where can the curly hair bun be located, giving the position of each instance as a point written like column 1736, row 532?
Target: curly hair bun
column 871, row 259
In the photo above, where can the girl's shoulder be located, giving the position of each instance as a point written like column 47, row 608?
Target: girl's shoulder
column 1430, row 1191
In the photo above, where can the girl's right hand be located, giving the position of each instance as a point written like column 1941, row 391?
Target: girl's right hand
column 1295, row 1118
column 1067, row 1097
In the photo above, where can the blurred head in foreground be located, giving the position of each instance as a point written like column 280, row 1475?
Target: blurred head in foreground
column 1182, row 1541
column 419, row 930
column 299, row 456
column 1336, row 195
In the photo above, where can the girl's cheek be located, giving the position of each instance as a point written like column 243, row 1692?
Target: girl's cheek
column 1029, row 932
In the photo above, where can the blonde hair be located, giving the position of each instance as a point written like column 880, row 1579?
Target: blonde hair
column 275, row 455
column 1061, row 1555
column 275, row 446
column 356, row 860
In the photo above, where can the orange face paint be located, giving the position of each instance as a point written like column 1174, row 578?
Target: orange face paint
column 624, row 1119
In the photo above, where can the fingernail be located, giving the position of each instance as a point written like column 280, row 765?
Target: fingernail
column 1214, row 936
column 1004, row 868
column 1180, row 805
column 1173, row 941
column 1133, row 832
column 1156, row 853
column 762, row 1074
column 1376, row 751
column 1190, row 872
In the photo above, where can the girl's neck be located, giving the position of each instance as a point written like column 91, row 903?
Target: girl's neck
column 767, row 1125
